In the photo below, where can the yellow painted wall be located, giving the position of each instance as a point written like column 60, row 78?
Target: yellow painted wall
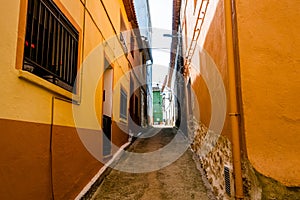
column 26, row 105
column 24, row 100
column 16, row 105
column 269, row 43
column 17, row 102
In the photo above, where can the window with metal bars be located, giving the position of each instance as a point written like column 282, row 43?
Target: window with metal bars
column 123, row 104
column 51, row 44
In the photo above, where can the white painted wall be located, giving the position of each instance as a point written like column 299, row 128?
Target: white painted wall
column 108, row 83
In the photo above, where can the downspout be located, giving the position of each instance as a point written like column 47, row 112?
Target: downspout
column 51, row 149
column 82, row 54
column 233, row 106
column 66, row 100
column 51, row 142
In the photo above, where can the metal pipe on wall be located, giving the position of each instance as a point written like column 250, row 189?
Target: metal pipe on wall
column 51, row 141
column 233, row 106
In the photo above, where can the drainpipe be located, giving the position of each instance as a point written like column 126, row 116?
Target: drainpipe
column 51, row 141
column 233, row 108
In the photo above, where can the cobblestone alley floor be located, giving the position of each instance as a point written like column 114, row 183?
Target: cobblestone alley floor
column 179, row 180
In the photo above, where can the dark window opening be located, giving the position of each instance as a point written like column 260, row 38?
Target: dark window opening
column 132, row 45
column 51, row 44
column 122, row 31
column 123, row 104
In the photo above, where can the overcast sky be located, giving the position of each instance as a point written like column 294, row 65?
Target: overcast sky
column 161, row 17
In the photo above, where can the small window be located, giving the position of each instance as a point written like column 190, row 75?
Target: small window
column 132, row 45
column 123, row 34
column 51, row 44
column 123, row 104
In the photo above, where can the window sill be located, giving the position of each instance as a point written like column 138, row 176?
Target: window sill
column 123, row 120
column 47, row 85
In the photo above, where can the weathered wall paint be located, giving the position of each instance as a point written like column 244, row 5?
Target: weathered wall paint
column 269, row 46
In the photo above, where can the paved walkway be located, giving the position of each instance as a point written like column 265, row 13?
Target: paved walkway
column 180, row 180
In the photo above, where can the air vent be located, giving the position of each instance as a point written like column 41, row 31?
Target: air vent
column 227, row 180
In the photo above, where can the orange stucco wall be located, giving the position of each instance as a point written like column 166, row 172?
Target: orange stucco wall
column 215, row 47
column 72, row 165
column 119, row 137
column 26, row 161
column 268, row 35
column 203, row 98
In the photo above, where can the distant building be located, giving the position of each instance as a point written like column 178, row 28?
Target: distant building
column 168, row 107
column 142, row 11
column 157, row 106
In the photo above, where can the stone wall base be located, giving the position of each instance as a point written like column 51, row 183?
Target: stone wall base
column 211, row 165
column 258, row 186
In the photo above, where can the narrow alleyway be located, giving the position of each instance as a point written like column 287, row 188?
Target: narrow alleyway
column 180, row 180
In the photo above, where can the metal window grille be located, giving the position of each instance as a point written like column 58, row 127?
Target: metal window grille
column 51, row 44
column 123, row 104
column 227, row 180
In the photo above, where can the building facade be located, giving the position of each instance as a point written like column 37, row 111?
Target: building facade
column 142, row 10
column 139, row 118
column 65, row 103
column 240, row 72
column 157, row 106
column 168, row 106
